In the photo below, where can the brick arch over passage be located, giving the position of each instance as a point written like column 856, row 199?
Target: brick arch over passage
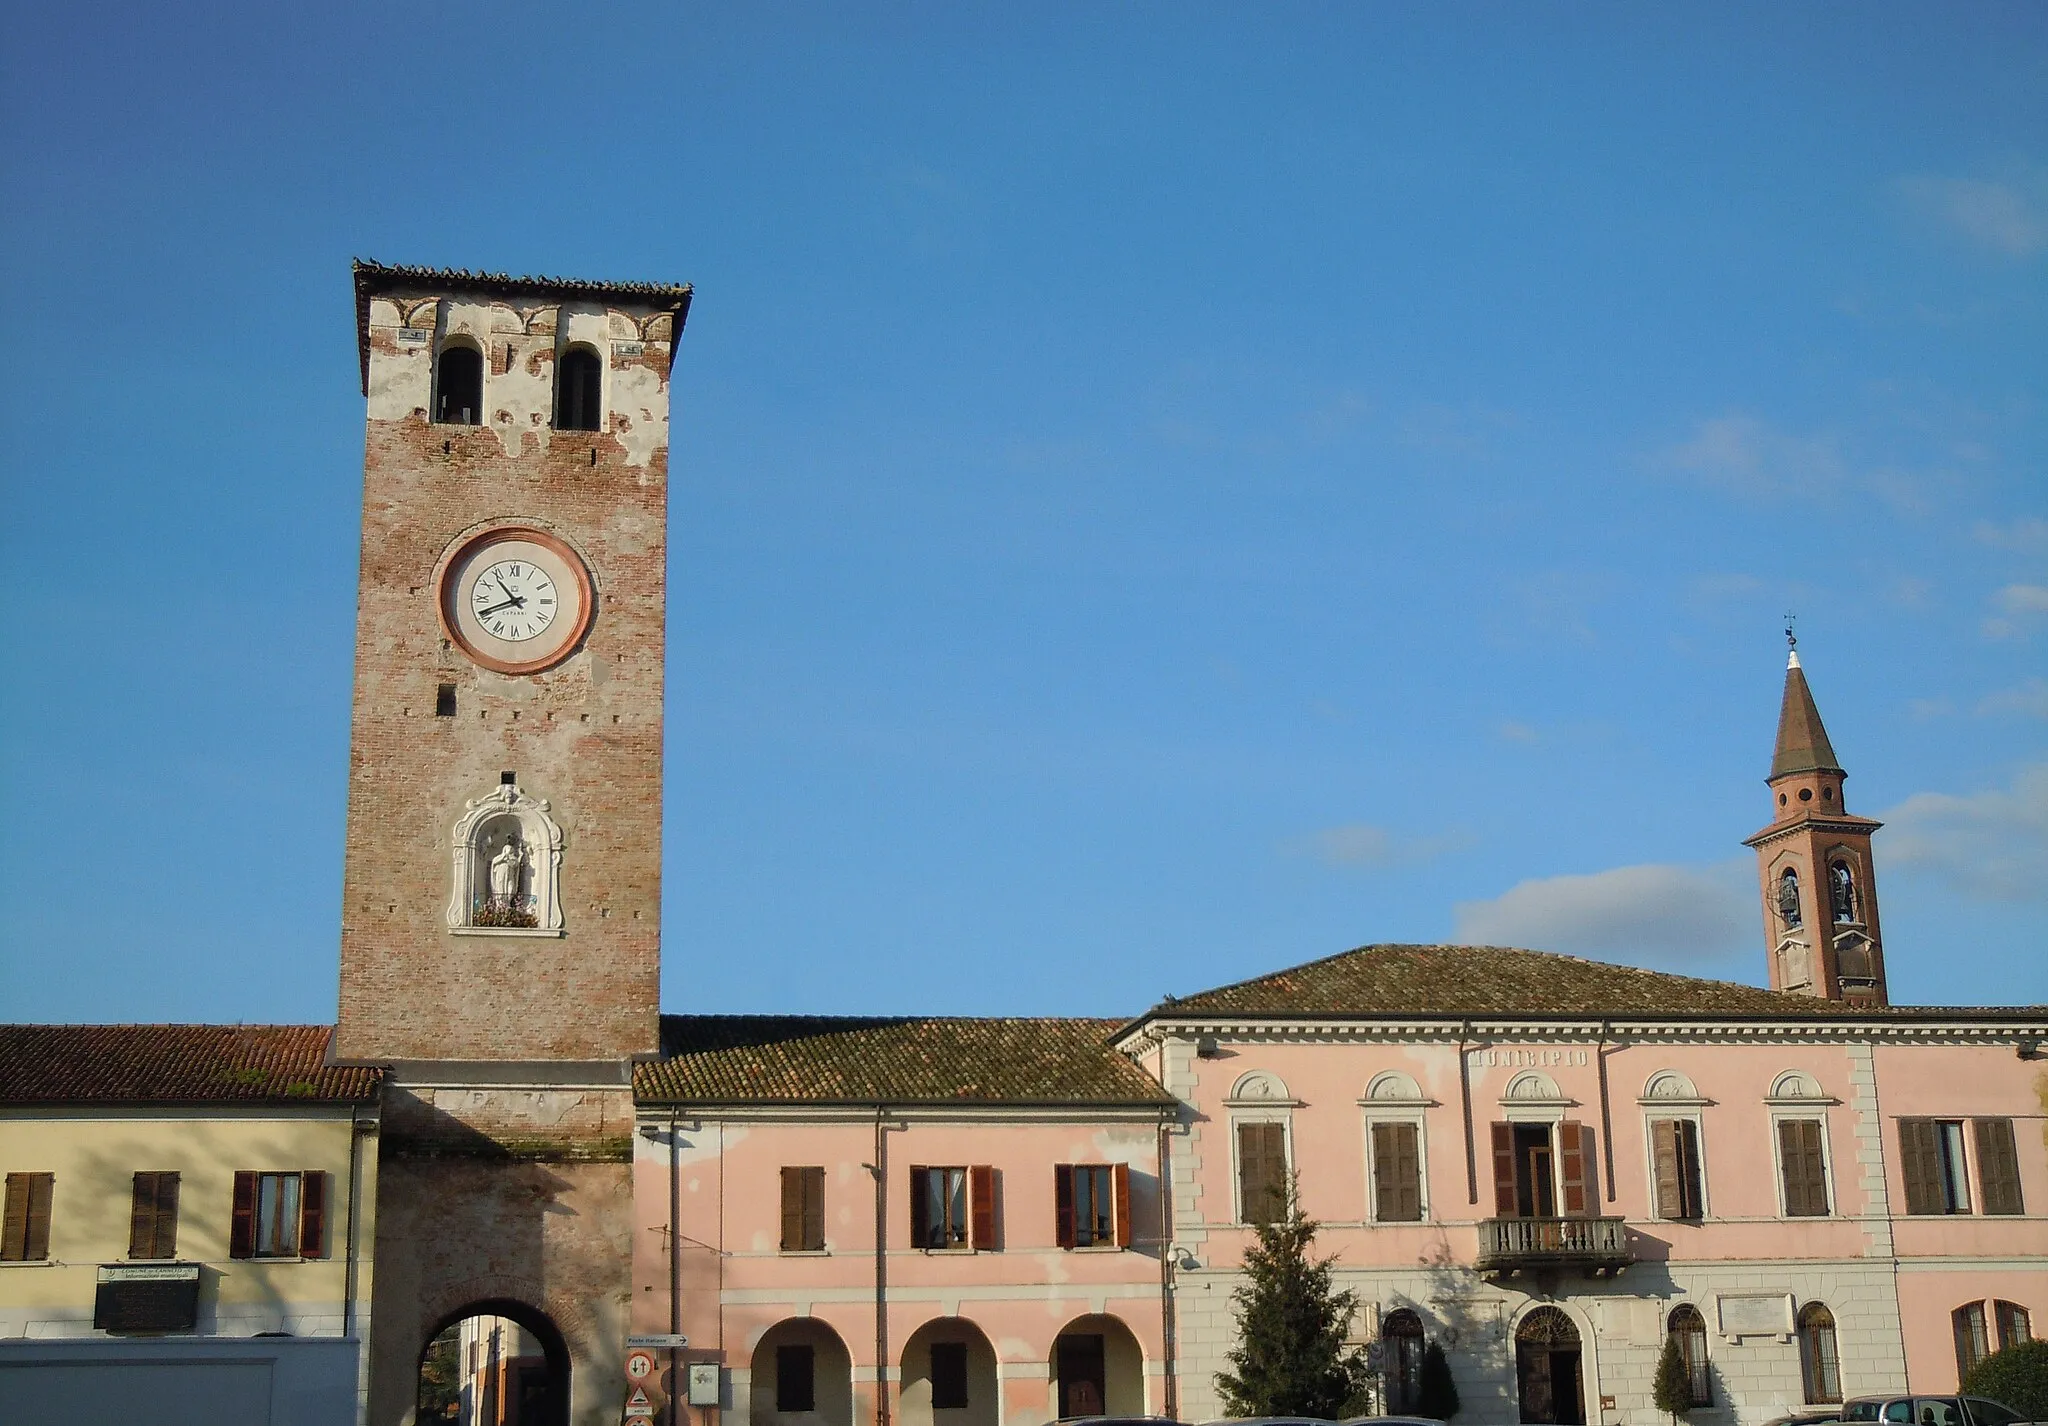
column 541, row 1403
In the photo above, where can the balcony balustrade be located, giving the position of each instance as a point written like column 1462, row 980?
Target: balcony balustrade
column 1598, row 1246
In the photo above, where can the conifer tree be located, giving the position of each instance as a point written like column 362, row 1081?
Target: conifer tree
column 1290, row 1358
column 1436, row 1395
column 1671, row 1388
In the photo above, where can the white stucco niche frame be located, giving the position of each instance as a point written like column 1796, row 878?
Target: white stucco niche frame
column 541, row 838
column 1258, row 1097
column 1670, row 1094
column 1795, row 1094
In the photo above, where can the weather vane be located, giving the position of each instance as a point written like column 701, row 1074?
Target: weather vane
column 1791, row 637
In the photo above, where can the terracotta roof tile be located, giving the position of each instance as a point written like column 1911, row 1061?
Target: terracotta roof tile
column 1402, row 980
column 806, row 1059
column 175, row 1064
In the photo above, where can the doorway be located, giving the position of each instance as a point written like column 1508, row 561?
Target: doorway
column 1535, row 1187
column 1548, row 1368
column 494, row 1364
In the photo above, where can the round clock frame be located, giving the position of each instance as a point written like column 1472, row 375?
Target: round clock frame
column 470, row 557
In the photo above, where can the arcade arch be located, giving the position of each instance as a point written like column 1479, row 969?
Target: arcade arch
column 493, row 1363
column 1098, row 1369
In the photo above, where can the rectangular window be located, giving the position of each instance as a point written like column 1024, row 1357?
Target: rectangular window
column 1973, row 1343
column 25, row 1229
column 949, row 1376
column 153, row 1218
column 1525, row 1170
column 1091, row 1205
column 803, row 1212
column 1802, row 1168
column 953, row 1207
column 279, row 1215
column 1998, row 1166
column 1931, row 1159
column 796, row 1377
column 1675, row 1145
column 2014, row 1325
column 1261, row 1173
column 1397, row 1173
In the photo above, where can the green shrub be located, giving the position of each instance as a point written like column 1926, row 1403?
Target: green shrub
column 2016, row 1376
column 1671, row 1388
column 1436, row 1394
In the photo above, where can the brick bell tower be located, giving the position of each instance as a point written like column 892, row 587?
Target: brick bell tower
column 501, row 936
column 1819, row 885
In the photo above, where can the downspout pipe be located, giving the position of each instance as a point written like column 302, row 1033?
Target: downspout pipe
column 881, row 1271
column 1167, row 1266
column 675, row 1266
column 355, row 1161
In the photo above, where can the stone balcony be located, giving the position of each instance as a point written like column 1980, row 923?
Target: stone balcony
column 1597, row 1246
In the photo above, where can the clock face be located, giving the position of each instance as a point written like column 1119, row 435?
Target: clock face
column 515, row 599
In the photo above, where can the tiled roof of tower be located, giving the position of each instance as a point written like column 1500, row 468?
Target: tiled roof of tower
column 1430, row 981
column 175, row 1064
column 1803, row 744
column 831, row 1059
column 374, row 277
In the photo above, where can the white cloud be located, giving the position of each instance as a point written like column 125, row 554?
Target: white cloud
column 2028, row 534
column 1991, row 844
column 2030, row 700
column 2011, row 217
column 1746, row 456
column 1360, row 844
column 2020, row 606
column 1518, row 732
column 1657, row 914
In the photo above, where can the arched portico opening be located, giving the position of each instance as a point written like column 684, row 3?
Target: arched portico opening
column 949, row 1375
column 494, row 1363
column 1098, row 1369
column 1548, row 1369
column 802, row 1376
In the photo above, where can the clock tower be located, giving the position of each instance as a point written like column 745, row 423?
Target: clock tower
column 501, row 912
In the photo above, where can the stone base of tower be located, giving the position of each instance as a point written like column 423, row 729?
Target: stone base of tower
column 515, row 1202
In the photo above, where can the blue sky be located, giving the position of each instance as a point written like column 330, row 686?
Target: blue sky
column 1159, row 493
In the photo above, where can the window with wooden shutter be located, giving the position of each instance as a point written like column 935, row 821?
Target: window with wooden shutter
column 1802, row 1168
column 242, row 1219
column 1675, row 1153
column 1261, row 1172
column 1920, row 1162
column 1120, row 1186
column 1998, row 1166
column 803, row 1209
column 1396, row 1173
column 25, row 1219
column 939, row 1204
column 981, row 1196
column 1063, row 1204
column 153, row 1216
column 312, row 1214
column 1505, row 1194
column 1575, row 1167
column 2015, row 1325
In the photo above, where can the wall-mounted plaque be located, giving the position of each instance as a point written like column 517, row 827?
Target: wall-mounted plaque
column 1755, row 1314
column 152, row 1297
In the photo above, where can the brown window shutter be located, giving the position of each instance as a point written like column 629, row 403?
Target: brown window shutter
column 1383, row 1194
column 1408, row 1156
column 1572, row 1162
column 1806, row 1189
column 1063, row 1205
column 1262, row 1172
column 142, row 1217
column 242, row 1222
column 920, row 1217
column 1920, row 1163
column 1120, row 1178
column 166, row 1215
column 41, row 1187
column 981, row 1207
column 1504, row 1170
column 1690, row 1202
column 312, row 1214
column 814, row 1208
column 1664, row 1152
column 1397, row 1174
column 792, row 1209
column 1998, row 1166
column 14, row 1228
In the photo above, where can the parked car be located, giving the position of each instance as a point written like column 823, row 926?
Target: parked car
column 1269, row 1421
column 1806, row 1418
column 1930, row 1411
column 1391, row 1421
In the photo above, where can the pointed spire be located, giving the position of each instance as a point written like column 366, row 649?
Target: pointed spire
column 1802, row 740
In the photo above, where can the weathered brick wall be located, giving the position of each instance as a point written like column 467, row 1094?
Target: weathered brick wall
column 494, row 1195
column 585, row 735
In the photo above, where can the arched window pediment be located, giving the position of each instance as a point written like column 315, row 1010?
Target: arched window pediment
column 1394, row 1087
column 1671, row 1087
column 506, row 877
column 1532, row 1087
column 1797, row 1087
column 1259, row 1087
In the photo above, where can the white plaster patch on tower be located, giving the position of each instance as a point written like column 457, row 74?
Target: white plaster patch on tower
column 639, row 410
column 401, row 377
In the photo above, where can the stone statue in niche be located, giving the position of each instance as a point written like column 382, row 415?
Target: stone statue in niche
column 507, row 866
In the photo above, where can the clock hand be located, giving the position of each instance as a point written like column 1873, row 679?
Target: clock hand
column 513, row 603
